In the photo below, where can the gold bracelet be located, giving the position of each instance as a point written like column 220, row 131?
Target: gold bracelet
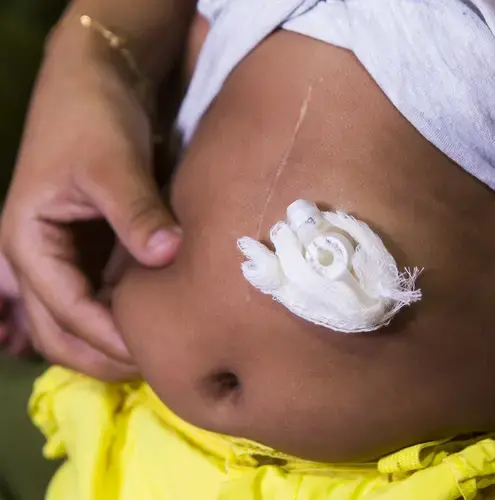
column 144, row 86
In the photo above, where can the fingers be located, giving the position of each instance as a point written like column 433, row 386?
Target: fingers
column 18, row 327
column 120, row 260
column 50, row 274
column 8, row 284
column 14, row 338
column 131, row 202
column 64, row 349
column 67, row 294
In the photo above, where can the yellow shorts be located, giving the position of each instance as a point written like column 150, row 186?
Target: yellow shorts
column 121, row 443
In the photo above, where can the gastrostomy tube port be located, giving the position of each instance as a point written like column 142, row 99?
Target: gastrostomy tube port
column 330, row 269
column 328, row 251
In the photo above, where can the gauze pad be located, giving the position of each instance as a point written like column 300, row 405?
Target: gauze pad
column 330, row 269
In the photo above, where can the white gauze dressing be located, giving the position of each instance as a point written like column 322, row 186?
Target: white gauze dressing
column 329, row 269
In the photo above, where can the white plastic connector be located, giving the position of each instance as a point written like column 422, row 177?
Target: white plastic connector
column 330, row 269
column 327, row 251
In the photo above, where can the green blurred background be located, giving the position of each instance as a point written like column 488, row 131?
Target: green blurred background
column 24, row 25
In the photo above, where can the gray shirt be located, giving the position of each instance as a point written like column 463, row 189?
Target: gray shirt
column 434, row 59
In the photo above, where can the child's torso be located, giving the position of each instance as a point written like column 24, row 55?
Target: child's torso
column 300, row 119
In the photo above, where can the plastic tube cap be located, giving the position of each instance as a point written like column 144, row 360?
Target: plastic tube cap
column 299, row 212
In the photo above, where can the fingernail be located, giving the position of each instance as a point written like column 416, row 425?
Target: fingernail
column 165, row 239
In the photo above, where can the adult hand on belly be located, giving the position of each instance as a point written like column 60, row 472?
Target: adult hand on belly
column 86, row 155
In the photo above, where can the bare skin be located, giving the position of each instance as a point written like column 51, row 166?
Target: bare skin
column 226, row 358
column 86, row 156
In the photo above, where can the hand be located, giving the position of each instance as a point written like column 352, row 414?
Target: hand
column 14, row 338
column 86, row 155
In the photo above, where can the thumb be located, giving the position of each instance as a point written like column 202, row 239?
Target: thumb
column 131, row 203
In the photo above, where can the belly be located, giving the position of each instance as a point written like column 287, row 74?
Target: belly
column 300, row 119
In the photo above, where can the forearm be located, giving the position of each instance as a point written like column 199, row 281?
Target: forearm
column 154, row 29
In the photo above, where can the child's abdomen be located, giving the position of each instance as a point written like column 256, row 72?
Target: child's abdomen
column 301, row 119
